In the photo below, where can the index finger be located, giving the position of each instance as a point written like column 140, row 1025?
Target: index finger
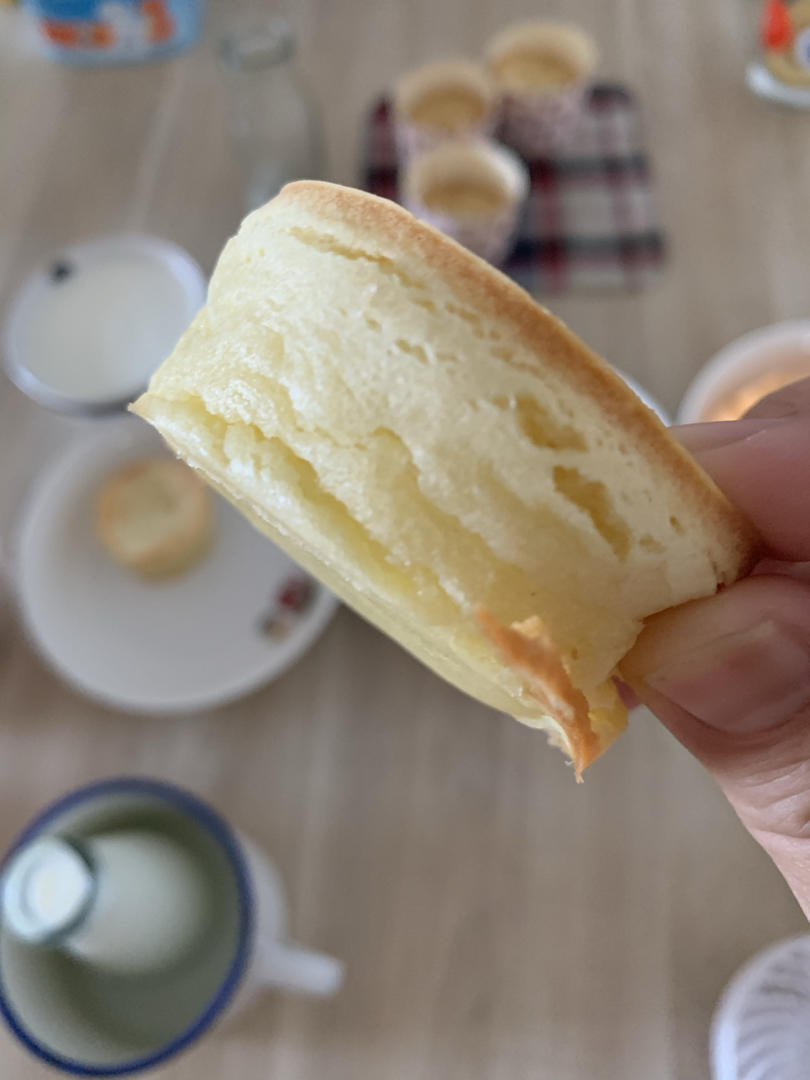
column 762, row 463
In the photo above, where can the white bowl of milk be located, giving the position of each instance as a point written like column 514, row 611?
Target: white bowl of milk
column 89, row 326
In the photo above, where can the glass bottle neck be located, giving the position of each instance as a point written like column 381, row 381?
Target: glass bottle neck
column 258, row 47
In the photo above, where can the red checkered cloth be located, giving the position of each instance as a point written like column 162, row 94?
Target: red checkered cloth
column 590, row 220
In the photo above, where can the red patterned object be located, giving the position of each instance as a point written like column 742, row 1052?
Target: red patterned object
column 292, row 599
column 591, row 221
column 295, row 594
column 535, row 124
column 777, row 25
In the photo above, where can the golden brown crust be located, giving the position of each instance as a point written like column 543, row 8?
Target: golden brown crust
column 528, row 648
column 496, row 296
column 366, row 241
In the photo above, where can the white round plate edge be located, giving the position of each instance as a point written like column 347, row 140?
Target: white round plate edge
column 280, row 659
column 741, row 358
column 722, row 1033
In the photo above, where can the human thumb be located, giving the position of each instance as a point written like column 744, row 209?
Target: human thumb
column 729, row 675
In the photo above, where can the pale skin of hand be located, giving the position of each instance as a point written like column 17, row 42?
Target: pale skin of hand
column 730, row 675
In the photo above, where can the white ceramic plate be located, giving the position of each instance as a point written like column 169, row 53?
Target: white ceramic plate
column 765, row 85
column 744, row 360
column 187, row 643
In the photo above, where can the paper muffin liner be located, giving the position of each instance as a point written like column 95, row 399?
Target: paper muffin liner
column 537, row 122
column 413, row 139
column 491, row 236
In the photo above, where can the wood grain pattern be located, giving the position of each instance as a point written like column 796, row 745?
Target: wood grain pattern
column 497, row 921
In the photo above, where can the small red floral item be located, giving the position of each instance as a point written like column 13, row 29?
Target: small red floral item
column 293, row 598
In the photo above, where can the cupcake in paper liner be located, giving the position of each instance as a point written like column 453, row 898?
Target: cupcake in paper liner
column 473, row 191
column 542, row 72
column 450, row 99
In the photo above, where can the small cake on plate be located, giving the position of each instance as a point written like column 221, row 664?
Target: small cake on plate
column 155, row 517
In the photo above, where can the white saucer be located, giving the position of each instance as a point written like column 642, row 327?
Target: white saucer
column 765, row 85
column 784, row 345
column 187, row 643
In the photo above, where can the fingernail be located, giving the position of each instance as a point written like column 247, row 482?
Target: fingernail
column 745, row 682
column 787, row 401
column 719, row 433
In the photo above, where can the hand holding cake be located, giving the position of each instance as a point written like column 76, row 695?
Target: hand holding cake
column 445, row 455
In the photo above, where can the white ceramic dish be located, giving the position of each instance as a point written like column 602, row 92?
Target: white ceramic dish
column 180, row 645
column 743, row 361
column 765, row 85
column 760, row 1029
column 90, row 324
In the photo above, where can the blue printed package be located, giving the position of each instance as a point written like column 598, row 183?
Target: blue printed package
column 115, row 31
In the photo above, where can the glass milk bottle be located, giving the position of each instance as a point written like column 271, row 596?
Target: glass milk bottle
column 273, row 122
column 127, row 901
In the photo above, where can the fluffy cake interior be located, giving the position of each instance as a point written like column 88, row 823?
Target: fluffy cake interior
column 442, row 453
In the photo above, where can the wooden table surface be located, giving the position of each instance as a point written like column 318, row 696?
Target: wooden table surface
column 497, row 921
